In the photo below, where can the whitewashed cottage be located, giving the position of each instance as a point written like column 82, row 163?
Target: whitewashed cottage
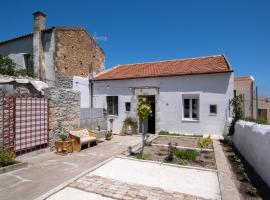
column 186, row 95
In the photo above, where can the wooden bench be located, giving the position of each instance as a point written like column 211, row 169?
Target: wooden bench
column 82, row 136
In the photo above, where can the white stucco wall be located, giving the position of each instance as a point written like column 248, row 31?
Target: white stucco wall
column 16, row 50
column 252, row 141
column 82, row 84
column 212, row 89
column 49, row 51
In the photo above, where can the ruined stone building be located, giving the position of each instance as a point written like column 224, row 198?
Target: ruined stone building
column 60, row 57
column 55, row 53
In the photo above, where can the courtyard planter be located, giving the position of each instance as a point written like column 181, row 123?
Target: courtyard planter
column 108, row 135
column 64, row 144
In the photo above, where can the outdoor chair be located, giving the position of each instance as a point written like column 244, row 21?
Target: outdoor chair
column 82, row 136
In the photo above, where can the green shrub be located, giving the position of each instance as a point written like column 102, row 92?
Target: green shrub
column 203, row 143
column 8, row 67
column 63, row 137
column 130, row 122
column 187, row 154
column 258, row 121
column 6, row 158
column 162, row 132
column 237, row 112
column 143, row 157
column 252, row 191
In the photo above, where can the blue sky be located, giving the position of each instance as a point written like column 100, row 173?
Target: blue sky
column 152, row 30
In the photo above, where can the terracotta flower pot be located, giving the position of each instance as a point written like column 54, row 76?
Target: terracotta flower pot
column 64, row 146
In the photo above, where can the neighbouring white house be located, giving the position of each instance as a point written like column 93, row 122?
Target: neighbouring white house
column 186, row 95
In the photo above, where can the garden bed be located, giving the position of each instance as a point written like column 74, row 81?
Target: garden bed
column 185, row 157
column 185, row 141
column 249, row 184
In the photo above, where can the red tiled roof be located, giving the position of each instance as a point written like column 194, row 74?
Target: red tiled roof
column 244, row 78
column 189, row 66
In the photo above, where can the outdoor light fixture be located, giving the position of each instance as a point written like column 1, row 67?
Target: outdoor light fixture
column 108, row 86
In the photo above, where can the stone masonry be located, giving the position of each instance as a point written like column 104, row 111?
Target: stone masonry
column 77, row 53
column 63, row 81
column 64, row 114
column 127, row 191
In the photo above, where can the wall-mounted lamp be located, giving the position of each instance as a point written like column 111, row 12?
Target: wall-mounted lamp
column 108, row 86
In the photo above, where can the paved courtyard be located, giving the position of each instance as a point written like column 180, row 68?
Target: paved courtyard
column 48, row 170
column 128, row 179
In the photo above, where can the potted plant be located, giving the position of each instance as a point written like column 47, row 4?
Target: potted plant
column 63, row 143
column 108, row 135
column 130, row 126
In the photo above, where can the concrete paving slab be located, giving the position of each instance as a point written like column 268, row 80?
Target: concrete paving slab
column 69, row 193
column 47, row 171
column 228, row 188
column 195, row 182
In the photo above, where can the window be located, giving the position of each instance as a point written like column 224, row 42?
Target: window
column 128, row 106
column 191, row 107
column 213, row 109
column 112, row 105
column 28, row 62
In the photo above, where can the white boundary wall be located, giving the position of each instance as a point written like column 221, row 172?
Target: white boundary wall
column 253, row 142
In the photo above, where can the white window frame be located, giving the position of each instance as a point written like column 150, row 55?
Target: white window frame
column 115, row 105
column 190, row 97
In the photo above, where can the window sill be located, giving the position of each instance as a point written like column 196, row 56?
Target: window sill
column 190, row 120
column 112, row 116
column 212, row 114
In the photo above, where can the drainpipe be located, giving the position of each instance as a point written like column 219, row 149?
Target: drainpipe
column 91, row 83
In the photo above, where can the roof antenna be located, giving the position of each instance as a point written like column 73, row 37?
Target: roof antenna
column 101, row 38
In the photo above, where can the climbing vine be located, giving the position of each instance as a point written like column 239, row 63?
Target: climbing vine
column 237, row 112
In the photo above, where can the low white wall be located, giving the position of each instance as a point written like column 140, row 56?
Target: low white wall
column 253, row 142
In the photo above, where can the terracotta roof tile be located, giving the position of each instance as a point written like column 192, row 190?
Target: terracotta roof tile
column 244, row 78
column 189, row 66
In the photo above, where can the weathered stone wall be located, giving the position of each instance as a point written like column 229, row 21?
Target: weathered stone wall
column 63, row 81
column 77, row 53
column 64, row 114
